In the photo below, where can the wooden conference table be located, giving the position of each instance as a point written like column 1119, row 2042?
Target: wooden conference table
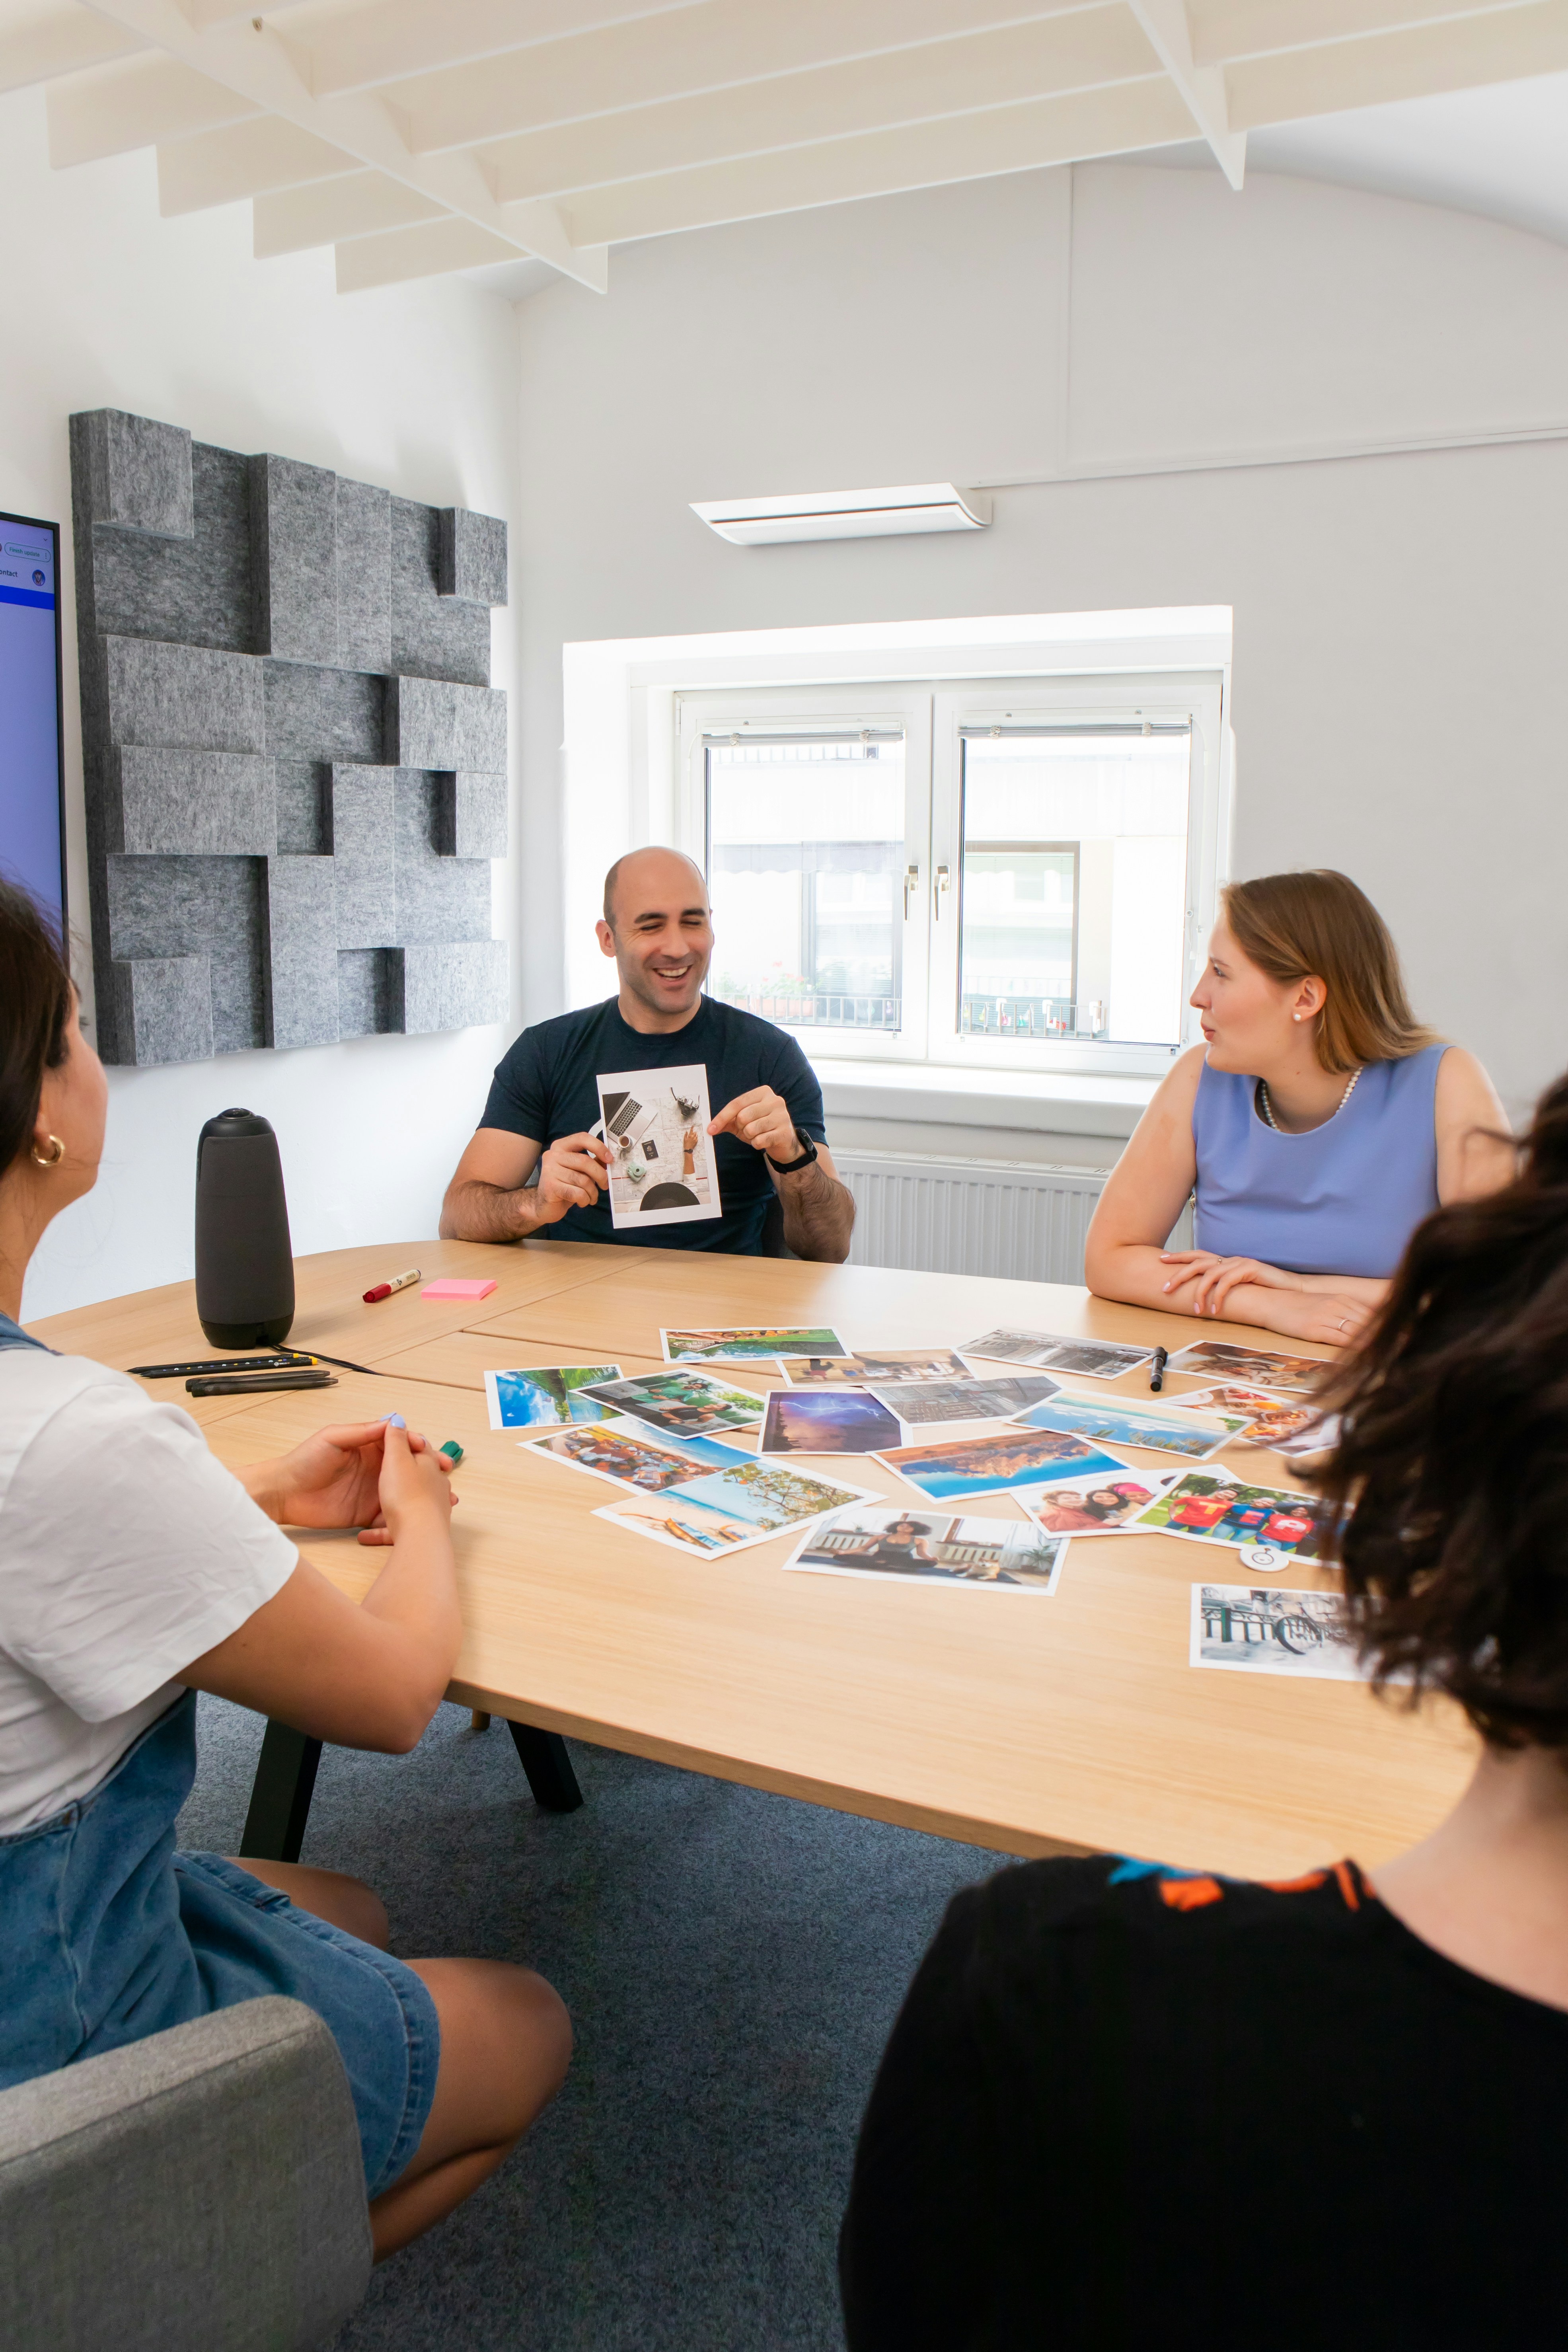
column 1025, row 1724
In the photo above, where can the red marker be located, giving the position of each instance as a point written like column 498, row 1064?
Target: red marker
column 385, row 1289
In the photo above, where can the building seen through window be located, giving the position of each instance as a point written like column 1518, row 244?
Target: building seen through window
column 1072, row 891
column 805, row 853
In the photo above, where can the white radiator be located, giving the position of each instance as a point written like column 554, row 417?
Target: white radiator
column 970, row 1216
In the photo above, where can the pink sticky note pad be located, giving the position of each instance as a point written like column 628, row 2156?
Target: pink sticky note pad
column 452, row 1286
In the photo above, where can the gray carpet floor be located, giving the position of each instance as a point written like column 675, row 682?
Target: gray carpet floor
column 732, row 1962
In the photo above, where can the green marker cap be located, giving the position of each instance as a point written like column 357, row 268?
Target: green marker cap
column 453, row 1452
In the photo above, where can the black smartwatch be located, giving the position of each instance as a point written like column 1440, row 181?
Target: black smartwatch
column 788, row 1167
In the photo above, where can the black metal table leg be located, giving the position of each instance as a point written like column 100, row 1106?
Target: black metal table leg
column 543, row 1757
column 280, row 1795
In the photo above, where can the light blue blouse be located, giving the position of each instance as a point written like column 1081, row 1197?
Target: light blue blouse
column 1343, row 1198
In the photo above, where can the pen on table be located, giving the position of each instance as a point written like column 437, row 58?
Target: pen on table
column 385, row 1289
column 1157, row 1371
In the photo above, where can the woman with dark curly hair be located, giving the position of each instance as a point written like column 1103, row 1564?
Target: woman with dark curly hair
column 1125, row 2106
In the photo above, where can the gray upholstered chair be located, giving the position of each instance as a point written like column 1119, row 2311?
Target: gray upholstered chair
column 200, row 2192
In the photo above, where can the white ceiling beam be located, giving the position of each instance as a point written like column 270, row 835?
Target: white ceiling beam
column 295, row 219
column 260, row 67
column 1513, row 45
column 66, row 42
column 219, row 167
column 1202, row 87
column 1226, row 30
column 1150, row 113
column 124, row 107
column 433, row 251
column 1090, row 49
column 718, row 45
column 390, row 39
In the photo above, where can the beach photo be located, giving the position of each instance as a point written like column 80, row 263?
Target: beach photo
column 927, row 1546
column 768, row 1497
column 753, row 1345
column 1270, row 1630
column 687, row 1403
column 969, row 1399
column 1226, row 1360
column 1269, row 1525
column 541, row 1398
column 1011, row 1460
column 1116, row 1420
column 831, row 1421
column 1095, row 1360
column 863, row 1364
column 701, row 1532
column 628, row 1453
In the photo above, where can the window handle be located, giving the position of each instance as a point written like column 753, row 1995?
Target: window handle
column 911, row 882
column 941, row 882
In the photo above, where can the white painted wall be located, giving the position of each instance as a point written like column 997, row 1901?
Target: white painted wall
column 1153, row 352
column 106, row 305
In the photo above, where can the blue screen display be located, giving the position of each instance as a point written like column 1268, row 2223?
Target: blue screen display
column 30, row 711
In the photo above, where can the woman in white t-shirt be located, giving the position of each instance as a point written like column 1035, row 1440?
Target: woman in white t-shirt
column 135, row 1572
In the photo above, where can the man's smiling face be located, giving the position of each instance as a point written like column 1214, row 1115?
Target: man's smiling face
column 660, row 928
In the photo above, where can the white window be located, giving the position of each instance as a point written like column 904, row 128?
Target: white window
column 983, row 874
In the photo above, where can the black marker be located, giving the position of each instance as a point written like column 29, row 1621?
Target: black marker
column 1157, row 1377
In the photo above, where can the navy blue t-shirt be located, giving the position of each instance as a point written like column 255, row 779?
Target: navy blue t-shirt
column 544, row 1086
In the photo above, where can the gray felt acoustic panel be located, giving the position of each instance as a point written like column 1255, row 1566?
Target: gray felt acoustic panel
column 295, row 761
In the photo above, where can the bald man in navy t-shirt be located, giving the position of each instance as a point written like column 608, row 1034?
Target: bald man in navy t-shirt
column 770, row 1141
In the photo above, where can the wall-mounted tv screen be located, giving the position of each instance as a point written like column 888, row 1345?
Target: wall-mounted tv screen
column 32, row 808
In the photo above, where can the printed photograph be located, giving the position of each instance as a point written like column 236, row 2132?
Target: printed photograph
column 688, row 1404
column 541, row 1397
column 1271, row 1631
column 1285, row 1427
column 685, row 1526
column 754, row 1345
column 837, row 1421
column 879, row 1364
column 628, row 1453
column 970, row 1398
column 1010, row 1462
column 1117, row 1420
column 663, row 1171
column 1223, row 1360
column 1095, row 1360
column 1108, row 1509
column 1237, row 1405
column 1205, row 1507
column 1320, row 1437
column 920, row 1548
column 768, row 1497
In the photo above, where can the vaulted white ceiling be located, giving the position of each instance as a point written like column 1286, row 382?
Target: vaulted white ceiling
column 418, row 137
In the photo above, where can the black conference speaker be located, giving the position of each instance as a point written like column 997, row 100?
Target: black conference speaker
column 244, row 1266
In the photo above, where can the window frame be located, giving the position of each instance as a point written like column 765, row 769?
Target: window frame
column 932, row 714
column 769, row 712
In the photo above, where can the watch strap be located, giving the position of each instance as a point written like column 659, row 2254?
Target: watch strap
column 788, row 1167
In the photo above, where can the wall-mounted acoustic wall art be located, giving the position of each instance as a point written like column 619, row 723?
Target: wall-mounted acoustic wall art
column 295, row 761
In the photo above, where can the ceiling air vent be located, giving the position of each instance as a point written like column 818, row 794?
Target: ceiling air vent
column 844, row 514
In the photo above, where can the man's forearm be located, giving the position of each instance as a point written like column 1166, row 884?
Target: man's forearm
column 818, row 1214
column 485, row 1212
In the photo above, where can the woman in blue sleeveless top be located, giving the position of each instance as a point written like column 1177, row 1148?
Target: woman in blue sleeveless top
column 1314, row 1130
column 134, row 1571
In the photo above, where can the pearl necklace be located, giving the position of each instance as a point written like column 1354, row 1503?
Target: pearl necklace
column 1267, row 1107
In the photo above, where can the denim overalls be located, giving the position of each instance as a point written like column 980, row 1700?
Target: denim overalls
column 108, row 1935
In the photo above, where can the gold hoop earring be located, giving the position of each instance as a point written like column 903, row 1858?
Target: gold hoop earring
column 52, row 1157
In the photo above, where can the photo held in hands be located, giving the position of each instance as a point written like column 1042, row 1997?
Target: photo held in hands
column 665, row 1117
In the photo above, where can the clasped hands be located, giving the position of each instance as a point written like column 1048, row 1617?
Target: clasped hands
column 1298, row 1306
column 374, row 1475
column 575, row 1170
